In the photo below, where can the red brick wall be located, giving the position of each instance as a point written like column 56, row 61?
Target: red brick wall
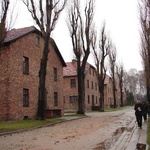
column 68, row 91
column 13, row 79
column 92, row 92
column 88, row 91
column 108, row 94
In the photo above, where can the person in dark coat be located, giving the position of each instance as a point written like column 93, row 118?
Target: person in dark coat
column 144, row 111
column 139, row 112
column 148, row 109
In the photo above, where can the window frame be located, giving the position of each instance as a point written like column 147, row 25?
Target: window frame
column 72, row 83
column 25, row 97
column 73, row 99
column 88, row 84
column 25, row 65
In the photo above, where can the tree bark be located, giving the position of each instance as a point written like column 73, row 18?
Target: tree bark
column 81, row 93
column 42, row 79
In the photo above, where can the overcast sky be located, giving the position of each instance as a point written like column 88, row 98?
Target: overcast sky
column 122, row 23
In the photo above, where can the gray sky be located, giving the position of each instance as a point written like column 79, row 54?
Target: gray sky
column 122, row 23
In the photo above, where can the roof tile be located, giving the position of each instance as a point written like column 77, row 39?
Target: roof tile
column 16, row 33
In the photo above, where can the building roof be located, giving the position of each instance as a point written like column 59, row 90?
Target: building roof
column 70, row 70
column 15, row 34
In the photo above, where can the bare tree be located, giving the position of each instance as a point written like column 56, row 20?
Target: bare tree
column 8, row 16
column 112, row 64
column 4, row 8
column 45, row 14
column 79, row 24
column 100, row 54
column 120, row 74
column 145, row 41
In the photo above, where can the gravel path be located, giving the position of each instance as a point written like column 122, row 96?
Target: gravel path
column 83, row 134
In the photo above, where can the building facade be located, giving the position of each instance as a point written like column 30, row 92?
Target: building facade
column 19, row 82
column 108, row 92
column 71, row 87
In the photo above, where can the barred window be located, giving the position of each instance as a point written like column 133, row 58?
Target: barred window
column 25, row 65
column 92, row 84
column 87, row 83
column 73, row 99
column 73, row 83
column 25, row 97
column 88, row 99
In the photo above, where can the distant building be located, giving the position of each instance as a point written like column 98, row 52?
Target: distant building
column 19, row 81
column 108, row 92
column 71, row 87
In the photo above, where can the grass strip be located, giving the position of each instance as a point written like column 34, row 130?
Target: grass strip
column 7, row 126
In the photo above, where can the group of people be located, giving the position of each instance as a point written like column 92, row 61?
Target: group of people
column 142, row 109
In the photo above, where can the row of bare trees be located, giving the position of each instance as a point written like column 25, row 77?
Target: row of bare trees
column 145, row 41
column 84, row 40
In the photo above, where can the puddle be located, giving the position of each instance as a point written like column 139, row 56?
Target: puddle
column 141, row 146
column 105, row 145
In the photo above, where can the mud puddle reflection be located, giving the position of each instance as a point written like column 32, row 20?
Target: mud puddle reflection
column 105, row 145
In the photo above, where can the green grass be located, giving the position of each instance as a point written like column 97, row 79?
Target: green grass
column 74, row 114
column 115, row 109
column 24, row 124
column 148, row 133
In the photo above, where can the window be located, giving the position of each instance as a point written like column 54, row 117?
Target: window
column 55, row 74
column 25, row 65
column 55, row 99
column 93, row 72
column 37, row 40
column 73, row 99
column 90, row 70
column 95, row 86
column 87, row 83
column 96, row 99
column 88, row 99
column 25, row 97
column 73, row 83
column 92, row 84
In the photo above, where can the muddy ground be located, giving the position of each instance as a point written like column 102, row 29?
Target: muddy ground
column 98, row 131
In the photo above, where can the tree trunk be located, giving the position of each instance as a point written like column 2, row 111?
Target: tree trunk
column 42, row 79
column 114, row 93
column 81, row 93
column 101, row 100
column 148, row 92
column 121, row 96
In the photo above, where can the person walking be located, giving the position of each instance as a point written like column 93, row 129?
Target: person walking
column 144, row 111
column 148, row 109
column 139, row 112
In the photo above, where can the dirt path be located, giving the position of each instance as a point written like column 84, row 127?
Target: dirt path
column 82, row 134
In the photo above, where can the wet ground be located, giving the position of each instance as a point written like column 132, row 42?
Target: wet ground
column 98, row 131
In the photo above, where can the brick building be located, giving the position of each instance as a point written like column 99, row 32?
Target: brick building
column 108, row 92
column 19, row 65
column 71, row 87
